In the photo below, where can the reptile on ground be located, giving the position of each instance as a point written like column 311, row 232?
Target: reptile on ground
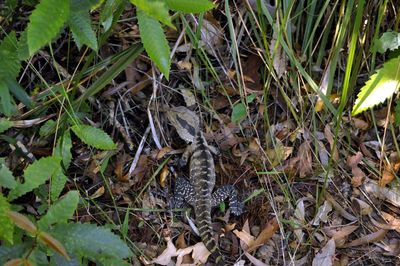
column 198, row 192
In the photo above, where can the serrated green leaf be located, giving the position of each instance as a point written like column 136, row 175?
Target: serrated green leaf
column 45, row 23
column 388, row 41
column 6, row 225
column 61, row 211
column 91, row 241
column 58, row 181
column 155, row 9
column 6, row 106
column 379, row 87
column 9, row 62
column 5, row 124
column 107, row 13
column 35, row 175
column 94, row 137
column 154, row 41
column 238, row 112
column 190, row 6
column 19, row 92
column 7, row 179
column 63, row 149
column 45, row 129
column 23, row 49
column 81, row 27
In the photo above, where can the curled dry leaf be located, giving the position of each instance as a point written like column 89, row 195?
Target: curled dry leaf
column 265, row 234
column 370, row 238
column 329, row 137
column 305, row 162
column 358, row 175
column 166, row 256
column 98, row 193
column 340, row 234
column 322, row 214
column 361, row 207
column 338, row 207
column 388, row 173
column 391, row 195
column 326, row 255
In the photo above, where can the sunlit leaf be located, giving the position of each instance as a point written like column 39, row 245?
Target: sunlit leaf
column 190, row 6
column 156, row 9
column 379, row 87
column 7, row 179
column 388, row 41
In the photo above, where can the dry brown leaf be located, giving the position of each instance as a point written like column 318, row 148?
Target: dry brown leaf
column 340, row 234
column 360, row 124
column 265, row 234
column 254, row 260
column 391, row 195
column 98, row 193
column 361, row 207
column 338, row 207
column 181, row 244
column 322, row 214
column 184, row 65
column 370, row 238
column 353, row 161
column 278, row 55
column 166, row 256
column 388, row 174
column 163, row 176
column 329, row 137
column 164, row 151
column 358, row 177
column 305, row 162
column 325, row 256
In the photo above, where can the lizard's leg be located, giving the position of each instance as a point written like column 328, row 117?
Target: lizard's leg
column 228, row 191
column 185, row 156
column 184, row 193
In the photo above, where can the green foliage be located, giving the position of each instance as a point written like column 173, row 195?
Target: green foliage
column 91, row 241
column 7, row 179
column 9, row 62
column 388, row 41
column 80, row 24
column 61, row 211
column 155, row 9
column 94, row 137
column 63, row 149
column 6, row 225
column 379, row 87
column 397, row 113
column 107, row 14
column 154, row 41
column 239, row 110
column 35, row 175
column 190, row 6
column 40, row 31
column 5, row 124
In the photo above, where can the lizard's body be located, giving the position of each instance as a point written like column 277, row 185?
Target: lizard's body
column 198, row 192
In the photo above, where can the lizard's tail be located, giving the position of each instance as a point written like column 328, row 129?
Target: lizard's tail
column 211, row 245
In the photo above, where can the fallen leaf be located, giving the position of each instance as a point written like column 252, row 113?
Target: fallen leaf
column 264, row 235
column 370, row 238
column 166, row 256
column 305, row 162
column 340, row 234
column 98, row 193
column 322, row 214
column 326, row 255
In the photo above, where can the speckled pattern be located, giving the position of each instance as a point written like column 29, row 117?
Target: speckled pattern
column 197, row 191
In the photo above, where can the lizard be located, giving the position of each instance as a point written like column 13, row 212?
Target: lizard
column 198, row 190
